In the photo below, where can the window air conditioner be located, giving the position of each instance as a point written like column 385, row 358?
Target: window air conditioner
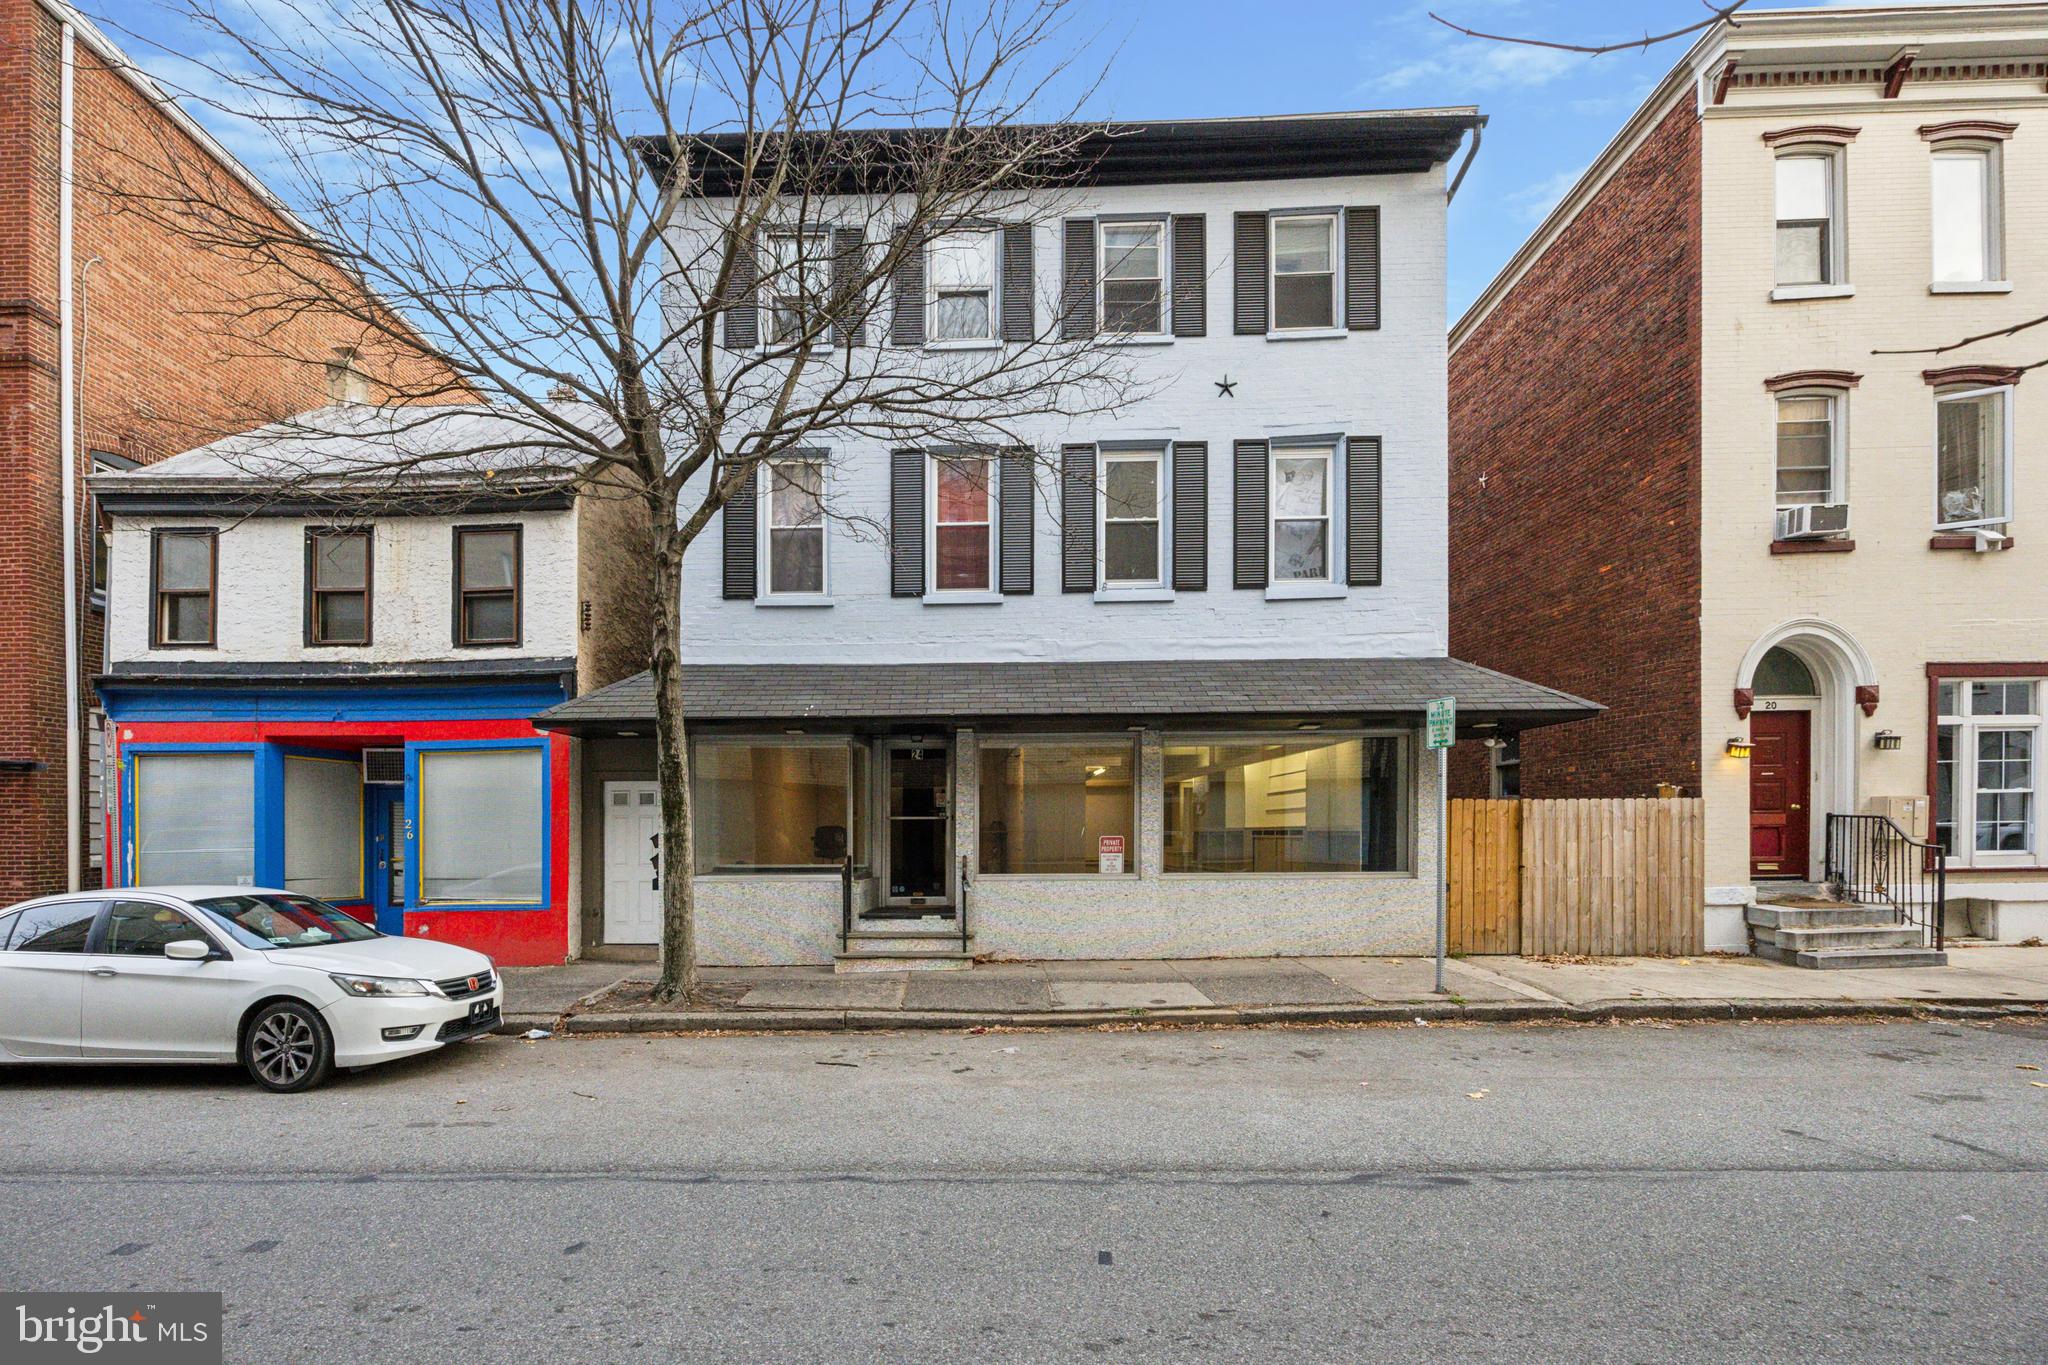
column 384, row 767
column 1814, row 519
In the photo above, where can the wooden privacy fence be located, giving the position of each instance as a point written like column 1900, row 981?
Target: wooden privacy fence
column 1603, row 877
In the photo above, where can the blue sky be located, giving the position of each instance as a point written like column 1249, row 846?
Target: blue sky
column 1551, row 112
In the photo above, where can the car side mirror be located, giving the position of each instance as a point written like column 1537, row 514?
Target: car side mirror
column 188, row 950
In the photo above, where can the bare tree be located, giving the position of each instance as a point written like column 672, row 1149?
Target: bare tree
column 683, row 216
column 1716, row 13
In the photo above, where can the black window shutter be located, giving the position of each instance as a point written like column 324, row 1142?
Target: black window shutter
column 1248, row 275
column 742, row 309
column 1191, row 516
column 1077, row 289
column 1362, row 511
column 741, row 532
column 906, row 523
column 1248, row 537
column 1015, row 511
column 1077, row 518
column 1362, row 269
column 1190, row 274
column 1018, row 322
column 906, row 327
column 847, row 247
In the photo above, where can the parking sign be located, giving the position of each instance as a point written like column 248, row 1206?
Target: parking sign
column 1443, row 722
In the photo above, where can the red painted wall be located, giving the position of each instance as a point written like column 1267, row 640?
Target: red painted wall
column 513, row 938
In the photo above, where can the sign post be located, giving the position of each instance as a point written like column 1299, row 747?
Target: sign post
column 1443, row 733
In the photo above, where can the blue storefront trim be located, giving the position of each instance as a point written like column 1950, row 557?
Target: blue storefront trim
column 414, row 813
column 366, row 700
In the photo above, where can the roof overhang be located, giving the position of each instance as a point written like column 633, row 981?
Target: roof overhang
column 1157, row 152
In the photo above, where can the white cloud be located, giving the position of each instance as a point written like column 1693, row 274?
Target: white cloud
column 1531, row 203
column 1475, row 65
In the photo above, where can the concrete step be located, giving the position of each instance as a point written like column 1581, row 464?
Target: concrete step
column 883, row 960
column 1812, row 916
column 907, row 943
column 1824, row 959
column 1888, row 935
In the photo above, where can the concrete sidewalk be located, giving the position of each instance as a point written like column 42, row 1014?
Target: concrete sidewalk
column 590, row 997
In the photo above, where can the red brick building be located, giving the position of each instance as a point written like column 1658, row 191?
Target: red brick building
column 162, row 356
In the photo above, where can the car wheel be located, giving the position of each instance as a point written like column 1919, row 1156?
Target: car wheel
column 287, row 1047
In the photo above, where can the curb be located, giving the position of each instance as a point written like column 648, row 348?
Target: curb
column 1491, row 1012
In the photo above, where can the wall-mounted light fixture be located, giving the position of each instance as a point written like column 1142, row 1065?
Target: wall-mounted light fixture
column 1888, row 740
column 1738, row 747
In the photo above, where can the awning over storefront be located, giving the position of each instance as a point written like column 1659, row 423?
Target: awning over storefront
column 1127, row 692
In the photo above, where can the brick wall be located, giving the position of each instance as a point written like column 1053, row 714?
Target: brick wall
column 172, row 351
column 1575, row 483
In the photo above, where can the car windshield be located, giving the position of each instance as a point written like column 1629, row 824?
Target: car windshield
column 265, row 921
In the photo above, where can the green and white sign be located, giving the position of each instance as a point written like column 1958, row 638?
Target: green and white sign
column 1443, row 722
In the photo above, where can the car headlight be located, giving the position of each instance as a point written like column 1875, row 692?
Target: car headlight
column 383, row 987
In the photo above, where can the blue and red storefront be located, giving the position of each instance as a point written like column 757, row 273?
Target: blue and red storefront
column 425, row 803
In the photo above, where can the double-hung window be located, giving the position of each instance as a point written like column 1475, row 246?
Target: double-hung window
column 1304, row 255
column 795, row 512
column 1987, row 741
column 1301, row 478
column 963, row 524
column 1132, row 488
column 1809, row 235
column 962, row 271
column 487, row 573
column 338, row 587
column 1966, row 226
column 795, row 283
column 1133, row 278
column 183, row 574
column 1809, row 449
column 1973, row 458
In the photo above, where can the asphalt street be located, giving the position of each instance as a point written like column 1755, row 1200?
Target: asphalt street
column 1742, row 1192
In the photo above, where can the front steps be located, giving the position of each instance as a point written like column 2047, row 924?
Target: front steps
column 928, row 943
column 1837, row 936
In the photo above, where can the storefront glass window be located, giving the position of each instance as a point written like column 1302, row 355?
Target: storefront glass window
column 779, row 807
column 323, row 827
column 479, row 826
column 1057, row 808
column 195, row 819
column 1314, row 805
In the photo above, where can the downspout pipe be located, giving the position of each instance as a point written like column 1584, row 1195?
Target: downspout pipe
column 1471, row 151
column 67, row 448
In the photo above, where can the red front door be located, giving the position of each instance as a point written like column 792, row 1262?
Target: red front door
column 1779, row 792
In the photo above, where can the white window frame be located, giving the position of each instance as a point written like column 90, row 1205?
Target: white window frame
column 1335, row 219
column 764, row 512
column 1838, row 443
column 1835, row 258
column 991, row 250
column 2005, row 456
column 1157, row 225
column 1992, row 155
column 1333, row 555
column 933, row 593
column 770, row 287
column 1965, row 790
column 1133, row 454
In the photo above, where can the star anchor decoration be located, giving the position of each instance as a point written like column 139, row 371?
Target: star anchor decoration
column 1226, row 387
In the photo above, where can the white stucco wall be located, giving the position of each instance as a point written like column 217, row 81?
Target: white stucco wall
column 260, row 607
column 1903, row 603
column 1388, row 383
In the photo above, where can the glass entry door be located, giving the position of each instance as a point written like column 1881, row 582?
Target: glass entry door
column 920, row 824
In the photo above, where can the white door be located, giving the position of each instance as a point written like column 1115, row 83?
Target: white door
column 632, row 862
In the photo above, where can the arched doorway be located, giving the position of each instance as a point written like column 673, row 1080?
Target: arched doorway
column 1803, row 678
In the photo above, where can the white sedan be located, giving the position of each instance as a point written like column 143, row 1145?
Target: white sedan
column 285, row 985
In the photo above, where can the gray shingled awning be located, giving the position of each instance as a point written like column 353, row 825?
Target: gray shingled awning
column 1128, row 692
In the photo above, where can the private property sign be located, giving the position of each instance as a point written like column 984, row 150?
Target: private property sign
column 1443, row 722
column 1109, row 853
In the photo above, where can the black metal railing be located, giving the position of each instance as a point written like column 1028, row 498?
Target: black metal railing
column 965, row 881
column 846, row 903
column 1873, row 862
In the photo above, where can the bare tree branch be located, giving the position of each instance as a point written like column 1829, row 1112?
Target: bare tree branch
column 1723, row 13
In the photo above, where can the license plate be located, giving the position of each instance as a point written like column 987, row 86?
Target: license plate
column 480, row 1009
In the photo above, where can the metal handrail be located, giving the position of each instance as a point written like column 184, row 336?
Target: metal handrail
column 965, row 881
column 1871, row 861
column 846, row 903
